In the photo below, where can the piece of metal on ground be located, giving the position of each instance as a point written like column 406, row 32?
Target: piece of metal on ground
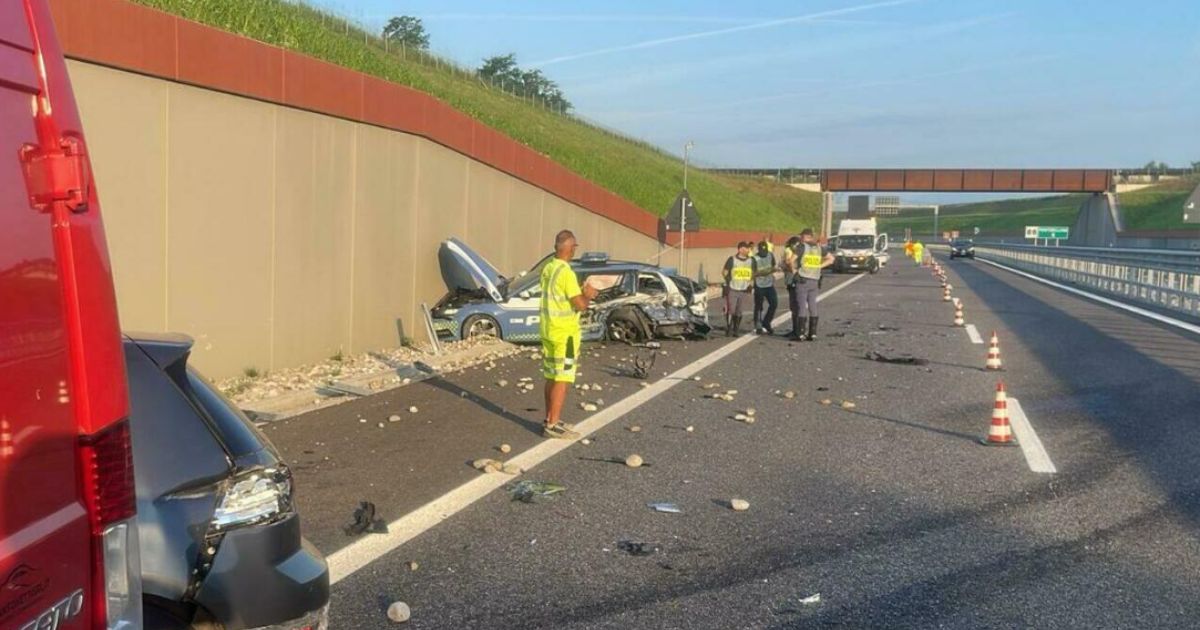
column 429, row 330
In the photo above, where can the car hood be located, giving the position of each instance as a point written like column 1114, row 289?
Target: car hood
column 463, row 269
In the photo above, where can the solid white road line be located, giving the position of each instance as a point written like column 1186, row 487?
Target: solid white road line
column 973, row 333
column 349, row 559
column 1101, row 299
column 1035, row 454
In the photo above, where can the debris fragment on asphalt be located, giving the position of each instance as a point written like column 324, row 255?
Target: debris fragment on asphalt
column 751, row 411
column 635, row 429
column 585, row 441
column 634, row 461
column 505, row 448
column 789, row 394
column 896, row 360
column 638, row 548
column 393, row 418
column 528, row 491
column 826, row 401
column 712, row 385
column 413, row 565
column 815, row 598
column 740, row 417
column 365, row 521
column 739, row 505
column 587, row 406
column 413, row 409
column 689, row 428
column 399, row 612
column 501, row 383
column 511, row 469
column 669, row 508
column 846, row 404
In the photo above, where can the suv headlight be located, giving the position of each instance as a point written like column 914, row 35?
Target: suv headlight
column 255, row 497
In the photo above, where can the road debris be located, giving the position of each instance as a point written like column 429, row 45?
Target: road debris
column 751, row 411
column 413, row 409
column 826, row 401
column 815, row 598
column 846, row 404
column 528, row 491
column 895, row 360
column 634, row 429
column 669, row 508
column 393, row 418
column 789, row 394
column 413, row 565
column 638, row 548
column 511, row 469
column 365, row 521
column 501, row 383
column 739, row 505
column 634, row 461
column 689, row 428
column 588, row 406
column 504, row 448
column 399, row 612
column 585, row 441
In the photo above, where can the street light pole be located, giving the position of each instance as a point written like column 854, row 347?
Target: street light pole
column 683, row 209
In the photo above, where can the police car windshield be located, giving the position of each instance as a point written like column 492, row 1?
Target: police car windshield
column 527, row 282
column 857, row 241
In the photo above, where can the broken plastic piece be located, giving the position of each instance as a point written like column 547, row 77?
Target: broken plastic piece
column 639, row 548
column 669, row 508
column 527, row 491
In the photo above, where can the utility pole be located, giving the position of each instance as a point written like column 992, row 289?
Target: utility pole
column 683, row 210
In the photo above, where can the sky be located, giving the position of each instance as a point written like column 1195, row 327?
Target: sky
column 855, row 83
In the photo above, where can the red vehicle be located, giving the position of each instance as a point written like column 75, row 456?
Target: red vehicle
column 68, row 540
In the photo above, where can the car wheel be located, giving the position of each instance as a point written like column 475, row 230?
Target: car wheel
column 622, row 327
column 477, row 326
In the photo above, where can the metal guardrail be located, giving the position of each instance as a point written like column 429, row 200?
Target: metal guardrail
column 1163, row 278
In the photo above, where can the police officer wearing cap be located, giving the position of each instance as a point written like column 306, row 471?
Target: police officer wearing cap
column 739, row 275
column 809, row 261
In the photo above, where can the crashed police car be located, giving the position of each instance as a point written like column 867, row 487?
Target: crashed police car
column 636, row 301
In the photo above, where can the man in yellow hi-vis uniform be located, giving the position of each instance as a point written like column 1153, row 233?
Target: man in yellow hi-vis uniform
column 562, row 301
column 919, row 252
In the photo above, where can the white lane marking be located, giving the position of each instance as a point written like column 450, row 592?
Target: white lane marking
column 349, row 559
column 1035, row 454
column 973, row 333
column 1098, row 298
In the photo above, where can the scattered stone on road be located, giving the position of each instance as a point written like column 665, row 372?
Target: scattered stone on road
column 751, row 411
column 826, row 401
column 846, row 404
column 505, row 448
column 635, row 429
column 690, row 428
column 393, row 418
column 413, row 409
column 789, row 394
column 413, row 565
column 634, row 461
column 739, row 505
column 398, row 612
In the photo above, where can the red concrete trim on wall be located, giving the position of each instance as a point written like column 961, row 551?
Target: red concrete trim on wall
column 129, row 36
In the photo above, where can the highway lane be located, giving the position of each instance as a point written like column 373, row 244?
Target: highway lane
column 891, row 510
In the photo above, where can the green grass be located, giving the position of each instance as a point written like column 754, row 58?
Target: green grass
column 1158, row 207
column 635, row 170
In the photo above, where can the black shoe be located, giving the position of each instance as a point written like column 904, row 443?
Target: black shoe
column 812, row 329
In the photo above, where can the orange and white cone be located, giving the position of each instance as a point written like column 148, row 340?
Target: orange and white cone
column 6, row 440
column 1000, row 433
column 945, row 293
column 958, row 314
column 993, row 355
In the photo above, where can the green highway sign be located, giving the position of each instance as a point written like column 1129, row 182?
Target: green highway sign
column 1047, row 232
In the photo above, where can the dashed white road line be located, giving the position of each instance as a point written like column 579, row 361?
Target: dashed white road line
column 1035, row 454
column 1170, row 321
column 973, row 333
column 347, row 560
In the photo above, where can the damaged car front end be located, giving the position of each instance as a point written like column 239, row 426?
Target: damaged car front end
column 636, row 299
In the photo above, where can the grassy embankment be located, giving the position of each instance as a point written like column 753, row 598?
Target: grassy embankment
column 635, row 170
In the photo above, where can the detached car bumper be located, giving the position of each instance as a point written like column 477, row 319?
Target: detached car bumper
column 445, row 328
column 267, row 576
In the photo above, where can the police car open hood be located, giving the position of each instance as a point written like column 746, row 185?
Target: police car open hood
column 463, row 269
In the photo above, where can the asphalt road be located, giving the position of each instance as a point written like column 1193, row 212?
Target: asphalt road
column 891, row 510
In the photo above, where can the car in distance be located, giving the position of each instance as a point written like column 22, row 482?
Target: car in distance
column 221, row 545
column 639, row 298
column 962, row 248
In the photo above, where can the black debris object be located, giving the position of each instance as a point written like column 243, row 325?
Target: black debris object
column 639, row 548
column 896, row 360
column 365, row 521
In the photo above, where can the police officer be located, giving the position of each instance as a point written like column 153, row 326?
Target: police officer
column 764, row 288
column 790, row 265
column 561, row 302
column 812, row 258
column 739, row 275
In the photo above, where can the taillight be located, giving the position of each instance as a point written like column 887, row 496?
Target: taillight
column 107, row 469
column 108, row 475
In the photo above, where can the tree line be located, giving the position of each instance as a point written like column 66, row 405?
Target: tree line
column 501, row 70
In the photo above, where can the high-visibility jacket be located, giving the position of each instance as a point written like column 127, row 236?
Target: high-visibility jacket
column 811, row 257
column 559, row 285
column 741, row 273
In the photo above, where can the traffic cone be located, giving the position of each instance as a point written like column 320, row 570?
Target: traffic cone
column 993, row 355
column 958, row 314
column 1000, row 432
column 945, row 293
column 6, row 440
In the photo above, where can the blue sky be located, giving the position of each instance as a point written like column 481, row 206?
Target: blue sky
column 841, row 83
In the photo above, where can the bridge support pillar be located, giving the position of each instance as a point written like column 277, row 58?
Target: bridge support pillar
column 1098, row 222
column 826, row 214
